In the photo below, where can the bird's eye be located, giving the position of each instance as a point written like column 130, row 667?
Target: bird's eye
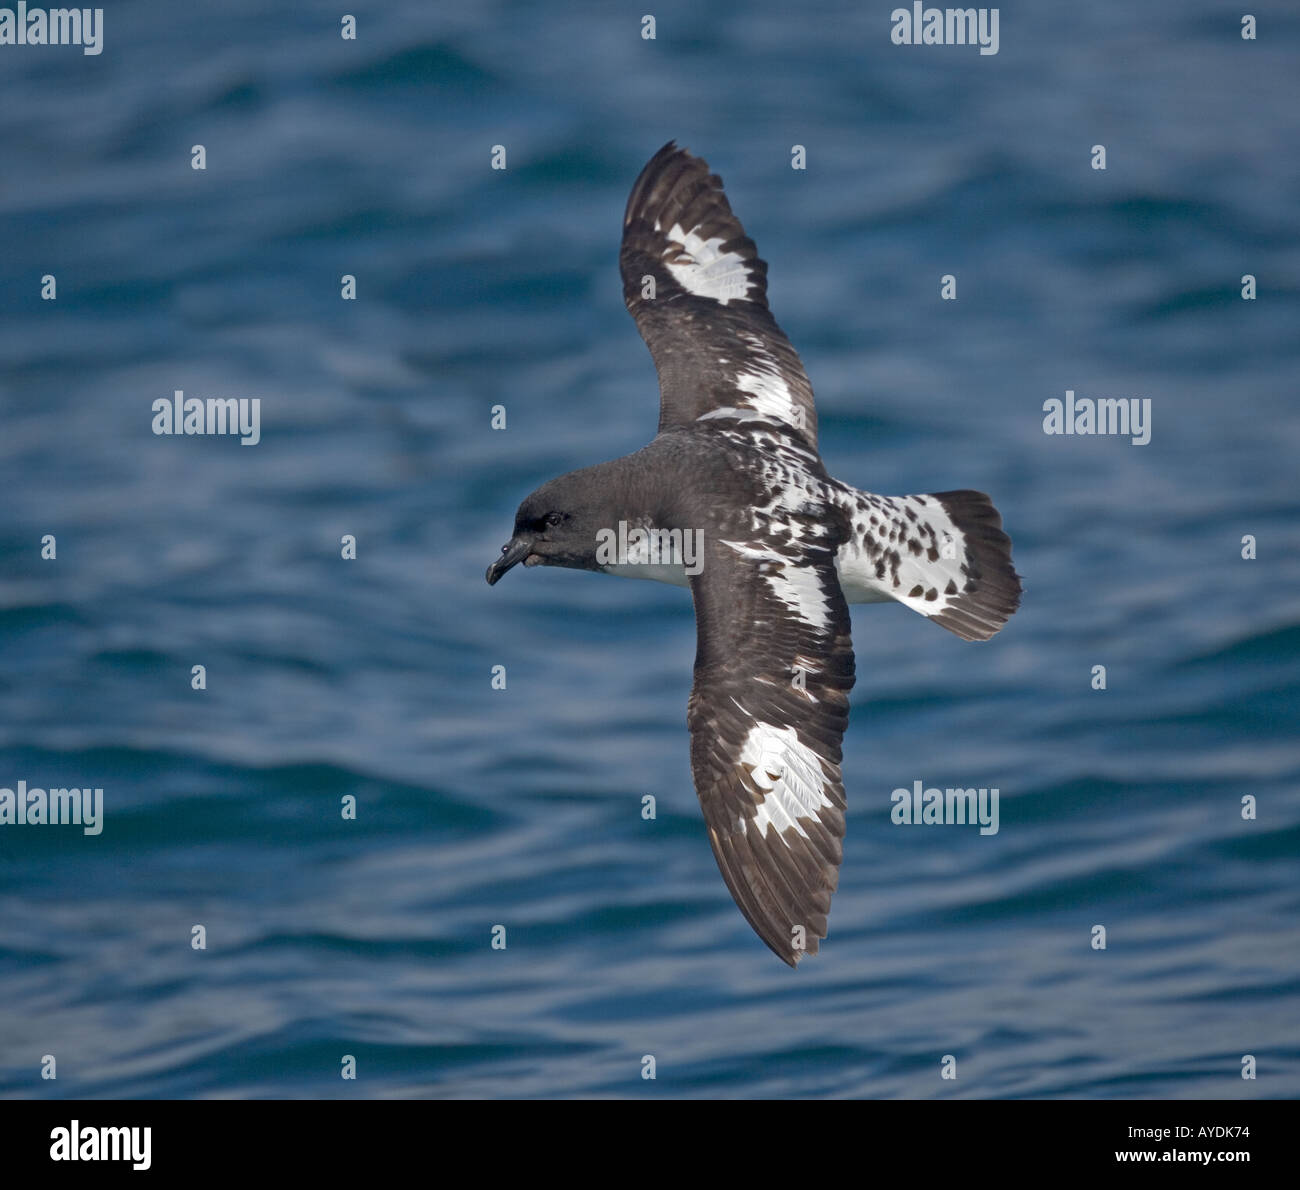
column 553, row 519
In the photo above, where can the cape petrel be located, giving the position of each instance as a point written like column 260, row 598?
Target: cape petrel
column 784, row 548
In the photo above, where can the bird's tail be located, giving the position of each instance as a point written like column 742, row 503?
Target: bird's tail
column 943, row 554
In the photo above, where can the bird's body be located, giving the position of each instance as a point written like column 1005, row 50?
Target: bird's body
column 783, row 548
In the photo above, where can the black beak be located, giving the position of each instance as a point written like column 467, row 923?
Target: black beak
column 512, row 553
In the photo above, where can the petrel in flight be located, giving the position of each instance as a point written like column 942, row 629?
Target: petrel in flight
column 784, row 548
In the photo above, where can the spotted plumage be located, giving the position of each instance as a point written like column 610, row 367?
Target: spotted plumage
column 783, row 549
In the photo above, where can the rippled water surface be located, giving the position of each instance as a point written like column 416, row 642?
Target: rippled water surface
column 370, row 678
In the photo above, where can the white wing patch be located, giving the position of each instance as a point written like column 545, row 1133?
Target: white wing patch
column 765, row 383
column 788, row 774
column 771, row 396
column 797, row 587
column 702, row 268
column 731, row 413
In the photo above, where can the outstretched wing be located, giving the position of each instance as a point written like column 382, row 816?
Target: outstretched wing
column 773, row 670
column 694, row 283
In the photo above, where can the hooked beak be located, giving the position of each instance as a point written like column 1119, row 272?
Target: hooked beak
column 512, row 553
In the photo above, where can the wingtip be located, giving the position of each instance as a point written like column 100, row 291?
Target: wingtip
column 673, row 151
column 790, row 955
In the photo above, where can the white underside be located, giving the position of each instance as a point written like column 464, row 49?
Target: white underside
column 660, row 572
column 857, row 568
column 855, row 564
column 857, row 586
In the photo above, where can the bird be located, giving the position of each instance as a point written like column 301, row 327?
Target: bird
column 731, row 499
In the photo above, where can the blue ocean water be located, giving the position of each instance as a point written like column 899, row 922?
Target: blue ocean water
column 371, row 678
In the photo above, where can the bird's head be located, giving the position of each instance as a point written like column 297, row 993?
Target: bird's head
column 552, row 529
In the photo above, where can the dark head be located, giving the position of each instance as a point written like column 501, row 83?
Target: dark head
column 555, row 526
